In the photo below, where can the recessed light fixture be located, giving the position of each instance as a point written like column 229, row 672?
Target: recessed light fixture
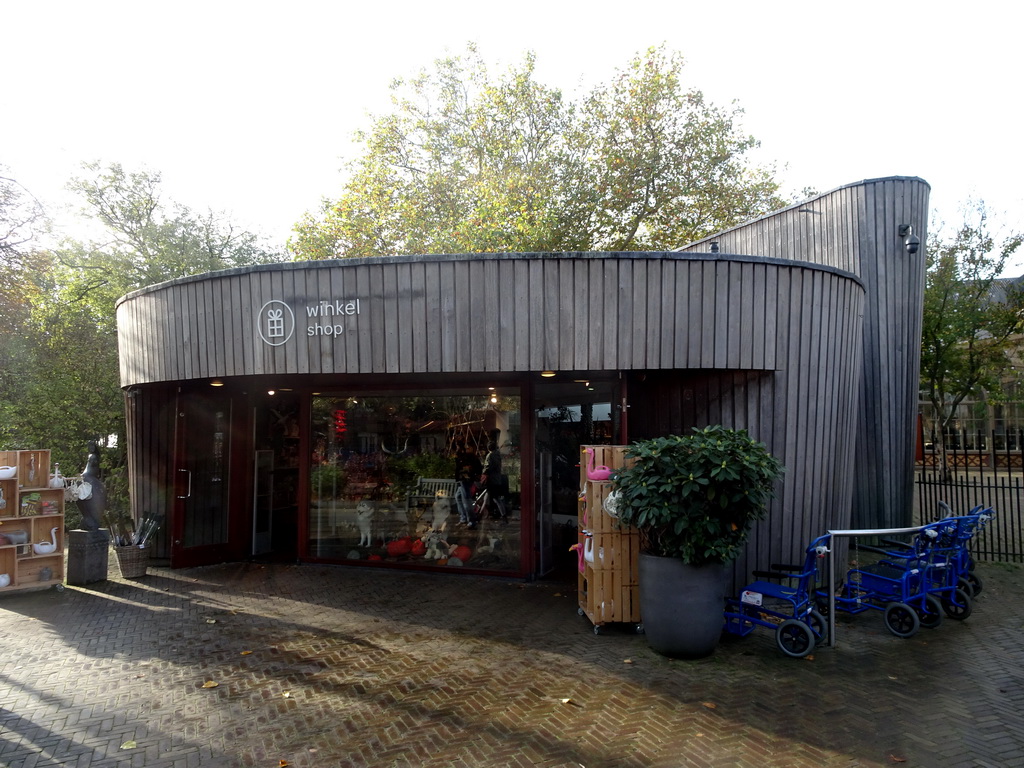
column 547, row 374
column 216, row 383
column 270, row 391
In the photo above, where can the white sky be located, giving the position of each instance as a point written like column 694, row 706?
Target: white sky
column 249, row 107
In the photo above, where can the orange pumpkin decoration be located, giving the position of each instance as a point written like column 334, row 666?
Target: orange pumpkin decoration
column 399, row 548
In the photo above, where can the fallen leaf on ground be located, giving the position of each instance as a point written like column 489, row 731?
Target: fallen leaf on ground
column 287, row 694
column 809, row 657
column 709, row 705
column 246, row 653
column 282, row 763
column 210, row 684
column 211, row 621
column 627, row 661
column 897, row 759
column 128, row 745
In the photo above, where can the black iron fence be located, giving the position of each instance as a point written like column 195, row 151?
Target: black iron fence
column 990, row 473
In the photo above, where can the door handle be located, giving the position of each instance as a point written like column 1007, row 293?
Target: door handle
column 188, row 493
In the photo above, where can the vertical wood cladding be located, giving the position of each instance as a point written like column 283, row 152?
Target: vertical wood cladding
column 505, row 312
column 856, row 228
column 149, row 425
column 805, row 411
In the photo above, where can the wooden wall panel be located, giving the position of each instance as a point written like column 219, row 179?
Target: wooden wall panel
column 590, row 312
column 801, row 411
column 855, row 229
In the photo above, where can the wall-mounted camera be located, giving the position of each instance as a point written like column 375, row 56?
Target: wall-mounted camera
column 910, row 241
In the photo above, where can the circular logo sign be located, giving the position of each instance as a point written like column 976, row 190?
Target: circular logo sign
column 276, row 322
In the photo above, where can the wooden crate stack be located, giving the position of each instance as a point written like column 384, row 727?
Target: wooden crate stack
column 32, row 513
column 607, row 583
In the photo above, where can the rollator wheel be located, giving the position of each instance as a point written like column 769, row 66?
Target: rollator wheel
column 930, row 615
column 975, row 581
column 965, row 585
column 958, row 607
column 794, row 638
column 818, row 625
column 901, row 620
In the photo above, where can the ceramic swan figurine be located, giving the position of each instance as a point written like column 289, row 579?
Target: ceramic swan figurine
column 597, row 473
column 46, row 547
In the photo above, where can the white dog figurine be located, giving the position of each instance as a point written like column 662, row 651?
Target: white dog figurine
column 364, row 521
column 441, row 509
column 436, row 546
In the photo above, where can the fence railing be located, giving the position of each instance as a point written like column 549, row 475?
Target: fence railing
column 983, row 475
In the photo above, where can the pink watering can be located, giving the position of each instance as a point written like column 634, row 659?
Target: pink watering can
column 597, row 473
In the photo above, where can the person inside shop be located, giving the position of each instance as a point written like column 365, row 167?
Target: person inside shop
column 493, row 482
column 467, row 469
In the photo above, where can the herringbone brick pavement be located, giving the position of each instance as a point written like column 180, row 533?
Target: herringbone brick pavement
column 322, row 666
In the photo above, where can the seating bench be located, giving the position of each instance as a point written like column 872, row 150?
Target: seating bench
column 429, row 488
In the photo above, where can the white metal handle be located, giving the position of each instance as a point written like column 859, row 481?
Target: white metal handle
column 188, row 493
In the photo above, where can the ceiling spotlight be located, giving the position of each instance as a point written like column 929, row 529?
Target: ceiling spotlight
column 494, row 399
column 547, row 374
column 270, row 391
column 216, row 383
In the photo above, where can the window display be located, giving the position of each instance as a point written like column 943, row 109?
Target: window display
column 420, row 478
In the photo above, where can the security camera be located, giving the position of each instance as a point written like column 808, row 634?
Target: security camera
column 913, row 244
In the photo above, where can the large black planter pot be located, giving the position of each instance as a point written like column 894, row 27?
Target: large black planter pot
column 681, row 606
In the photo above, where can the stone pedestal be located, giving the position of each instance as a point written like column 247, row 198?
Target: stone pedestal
column 88, row 556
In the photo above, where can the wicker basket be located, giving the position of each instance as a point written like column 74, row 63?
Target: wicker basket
column 132, row 561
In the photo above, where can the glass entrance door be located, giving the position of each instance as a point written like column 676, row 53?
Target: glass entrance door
column 199, row 527
column 569, row 413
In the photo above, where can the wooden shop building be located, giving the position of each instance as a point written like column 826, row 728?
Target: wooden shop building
column 310, row 411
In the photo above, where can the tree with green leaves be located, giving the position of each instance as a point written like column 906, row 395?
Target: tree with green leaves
column 67, row 389
column 973, row 317
column 21, row 215
column 468, row 162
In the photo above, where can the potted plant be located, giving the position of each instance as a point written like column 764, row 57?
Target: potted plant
column 693, row 499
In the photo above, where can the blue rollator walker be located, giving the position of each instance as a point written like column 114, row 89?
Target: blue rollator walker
column 941, row 549
column 897, row 585
column 788, row 608
column 955, row 537
column 915, row 583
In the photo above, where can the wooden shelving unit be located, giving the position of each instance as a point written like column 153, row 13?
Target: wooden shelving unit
column 609, row 574
column 31, row 512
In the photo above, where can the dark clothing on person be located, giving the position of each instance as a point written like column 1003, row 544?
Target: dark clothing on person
column 467, row 467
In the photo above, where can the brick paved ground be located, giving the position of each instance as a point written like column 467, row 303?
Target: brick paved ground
column 320, row 666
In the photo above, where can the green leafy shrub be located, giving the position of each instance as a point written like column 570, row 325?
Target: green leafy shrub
column 695, row 497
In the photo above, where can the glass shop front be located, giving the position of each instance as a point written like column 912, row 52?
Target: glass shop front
column 486, row 479
column 480, row 479
column 431, row 478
